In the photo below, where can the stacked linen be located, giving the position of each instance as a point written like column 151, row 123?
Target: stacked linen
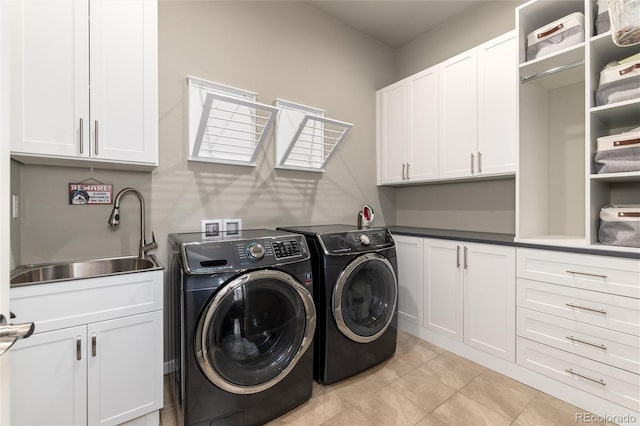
column 619, row 81
column 618, row 153
column 555, row 36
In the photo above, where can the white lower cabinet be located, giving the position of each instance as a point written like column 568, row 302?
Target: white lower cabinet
column 409, row 251
column 469, row 294
column 569, row 332
column 106, row 369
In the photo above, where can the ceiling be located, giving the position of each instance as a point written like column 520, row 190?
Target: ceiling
column 393, row 22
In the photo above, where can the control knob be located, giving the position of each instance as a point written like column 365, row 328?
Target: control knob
column 255, row 251
column 364, row 239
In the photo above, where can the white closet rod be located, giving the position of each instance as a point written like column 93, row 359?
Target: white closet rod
column 551, row 71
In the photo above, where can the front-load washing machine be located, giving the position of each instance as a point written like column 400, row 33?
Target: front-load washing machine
column 242, row 319
column 356, row 294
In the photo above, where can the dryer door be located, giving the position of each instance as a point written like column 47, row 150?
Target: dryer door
column 254, row 331
column 365, row 297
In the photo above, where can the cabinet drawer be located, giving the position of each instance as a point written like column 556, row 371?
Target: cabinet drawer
column 601, row 309
column 610, row 383
column 66, row 304
column 599, row 273
column 599, row 344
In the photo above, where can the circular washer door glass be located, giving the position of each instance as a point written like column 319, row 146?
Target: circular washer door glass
column 365, row 298
column 254, row 331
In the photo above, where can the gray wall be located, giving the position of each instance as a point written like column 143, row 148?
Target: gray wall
column 487, row 206
column 14, row 227
column 280, row 50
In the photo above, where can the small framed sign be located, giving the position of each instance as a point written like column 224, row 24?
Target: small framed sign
column 84, row 193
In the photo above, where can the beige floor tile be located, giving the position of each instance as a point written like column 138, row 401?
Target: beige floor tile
column 168, row 417
column 417, row 354
column 388, row 407
column 358, row 388
column 317, row 410
column 351, row 416
column 423, row 390
column 451, row 371
column 462, row 411
column 545, row 410
column 500, row 393
column 391, row 370
column 431, row 420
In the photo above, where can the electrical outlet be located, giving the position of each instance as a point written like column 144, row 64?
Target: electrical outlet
column 232, row 226
column 211, row 228
column 15, row 206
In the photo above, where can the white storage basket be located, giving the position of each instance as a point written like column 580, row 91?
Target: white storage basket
column 619, row 83
column 556, row 36
column 618, row 153
column 620, row 225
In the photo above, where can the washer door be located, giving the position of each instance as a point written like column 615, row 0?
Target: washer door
column 254, row 331
column 365, row 297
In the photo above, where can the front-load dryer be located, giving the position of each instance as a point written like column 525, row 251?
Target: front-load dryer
column 242, row 319
column 356, row 295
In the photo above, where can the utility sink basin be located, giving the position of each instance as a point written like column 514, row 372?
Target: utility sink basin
column 79, row 269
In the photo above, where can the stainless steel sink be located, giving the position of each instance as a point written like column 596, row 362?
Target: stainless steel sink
column 79, row 269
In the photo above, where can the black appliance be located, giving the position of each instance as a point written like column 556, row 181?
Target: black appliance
column 242, row 319
column 356, row 294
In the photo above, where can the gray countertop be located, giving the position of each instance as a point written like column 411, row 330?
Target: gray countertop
column 502, row 239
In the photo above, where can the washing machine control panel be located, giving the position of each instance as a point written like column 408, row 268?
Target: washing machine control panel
column 286, row 248
column 360, row 240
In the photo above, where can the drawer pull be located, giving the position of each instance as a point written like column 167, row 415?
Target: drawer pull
column 79, row 348
column 93, row 345
column 600, row 311
column 587, row 274
column 598, row 381
column 586, row 343
column 457, row 256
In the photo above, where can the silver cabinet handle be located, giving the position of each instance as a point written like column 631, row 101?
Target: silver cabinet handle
column 479, row 162
column 600, row 311
column 599, row 381
column 93, row 344
column 457, row 256
column 408, row 170
column 403, row 167
column 574, row 339
column 81, row 135
column 96, row 135
column 587, row 274
column 10, row 333
column 79, row 348
column 466, row 264
column 472, row 158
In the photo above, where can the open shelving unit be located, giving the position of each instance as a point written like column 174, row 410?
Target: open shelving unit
column 559, row 193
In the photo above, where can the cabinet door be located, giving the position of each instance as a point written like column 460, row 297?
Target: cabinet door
column 50, row 78
column 458, row 115
column 392, row 133
column 124, row 368
column 443, row 287
column 423, row 125
column 497, row 119
column 49, row 378
column 124, row 80
column 489, row 299
column 410, row 266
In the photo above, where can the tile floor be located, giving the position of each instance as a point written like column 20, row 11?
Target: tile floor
column 422, row 385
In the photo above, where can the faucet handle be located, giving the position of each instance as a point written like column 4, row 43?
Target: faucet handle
column 152, row 245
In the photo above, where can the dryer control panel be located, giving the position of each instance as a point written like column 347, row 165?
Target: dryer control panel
column 356, row 241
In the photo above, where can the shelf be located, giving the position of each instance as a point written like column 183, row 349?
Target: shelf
column 305, row 139
column 617, row 177
column 606, row 50
column 226, row 124
column 556, row 240
column 559, row 69
column 619, row 114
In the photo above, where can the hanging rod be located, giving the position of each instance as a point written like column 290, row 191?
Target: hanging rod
column 551, row 71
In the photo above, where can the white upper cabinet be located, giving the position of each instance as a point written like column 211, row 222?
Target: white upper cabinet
column 408, row 129
column 455, row 120
column 497, row 100
column 392, row 141
column 478, row 110
column 458, row 118
column 84, row 74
